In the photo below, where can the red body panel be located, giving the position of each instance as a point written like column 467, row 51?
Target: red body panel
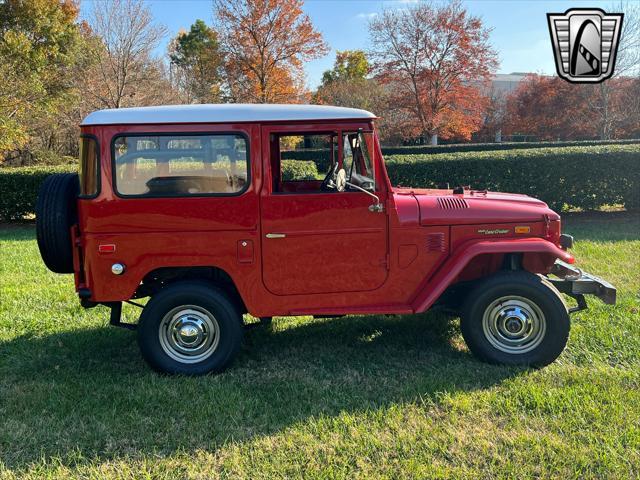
column 336, row 256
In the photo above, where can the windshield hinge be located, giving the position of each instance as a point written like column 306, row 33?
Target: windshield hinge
column 547, row 222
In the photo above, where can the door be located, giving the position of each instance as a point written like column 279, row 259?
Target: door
column 316, row 239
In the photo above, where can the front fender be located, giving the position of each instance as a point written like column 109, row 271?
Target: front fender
column 429, row 291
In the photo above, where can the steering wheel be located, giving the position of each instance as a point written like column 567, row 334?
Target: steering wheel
column 328, row 180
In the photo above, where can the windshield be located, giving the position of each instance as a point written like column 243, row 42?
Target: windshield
column 357, row 159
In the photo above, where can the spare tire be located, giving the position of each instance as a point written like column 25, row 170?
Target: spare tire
column 56, row 212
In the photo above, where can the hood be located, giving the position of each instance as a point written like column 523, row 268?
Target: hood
column 442, row 207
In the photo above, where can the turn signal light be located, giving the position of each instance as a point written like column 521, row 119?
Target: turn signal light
column 522, row 229
column 106, row 248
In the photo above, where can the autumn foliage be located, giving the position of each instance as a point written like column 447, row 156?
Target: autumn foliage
column 427, row 73
column 39, row 48
column 549, row 108
column 436, row 61
column 266, row 43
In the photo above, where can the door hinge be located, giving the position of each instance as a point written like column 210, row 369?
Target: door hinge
column 383, row 262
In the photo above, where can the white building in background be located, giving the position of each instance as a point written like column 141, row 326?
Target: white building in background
column 502, row 85
column 505, row 83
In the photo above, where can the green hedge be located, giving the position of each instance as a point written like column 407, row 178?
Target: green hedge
column 481, row 147
column 299, row 170
column 312, row 154
column 19, row 189
column 568, row 177
column 19, row 185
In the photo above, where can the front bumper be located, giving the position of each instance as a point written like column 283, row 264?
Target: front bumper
column 576, row 283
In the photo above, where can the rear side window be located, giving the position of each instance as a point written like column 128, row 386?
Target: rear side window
column 89, row 162
column 181, row 165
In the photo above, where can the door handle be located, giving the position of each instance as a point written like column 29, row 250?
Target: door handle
column 275, row 235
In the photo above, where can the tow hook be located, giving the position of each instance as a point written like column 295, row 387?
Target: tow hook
column 581, row 303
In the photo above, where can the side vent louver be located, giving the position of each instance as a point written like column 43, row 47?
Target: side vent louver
column 452, row 203
column 435, row 242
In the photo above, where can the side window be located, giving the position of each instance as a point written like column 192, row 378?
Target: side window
column 89, row 167
column 302, row 161
column 181, row 165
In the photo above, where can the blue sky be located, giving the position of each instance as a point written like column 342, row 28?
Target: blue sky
column 519, row 33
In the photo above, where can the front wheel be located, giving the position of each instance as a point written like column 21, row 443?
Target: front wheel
column 189, row 328
column 515, row 318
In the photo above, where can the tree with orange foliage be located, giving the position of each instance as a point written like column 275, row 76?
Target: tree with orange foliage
column 435, row 59
column 266, row 43
column 549, row 108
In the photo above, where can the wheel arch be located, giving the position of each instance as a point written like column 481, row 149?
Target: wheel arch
column 156, row 279
column 536, row 255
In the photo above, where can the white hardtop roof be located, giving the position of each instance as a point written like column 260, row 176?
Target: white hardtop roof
column 223, row 113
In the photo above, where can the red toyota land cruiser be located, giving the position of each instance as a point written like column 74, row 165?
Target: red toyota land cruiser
column 214, row 211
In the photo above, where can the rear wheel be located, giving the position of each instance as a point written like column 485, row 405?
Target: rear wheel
column 189, row 328
column 515, row 318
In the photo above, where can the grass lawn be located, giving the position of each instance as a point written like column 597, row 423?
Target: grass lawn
column 388, row 397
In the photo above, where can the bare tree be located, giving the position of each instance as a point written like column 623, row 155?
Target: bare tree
column 126, row 71
column 607, row 100
column 494, row 115
column 628, row 60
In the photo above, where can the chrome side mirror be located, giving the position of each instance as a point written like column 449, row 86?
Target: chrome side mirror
column 376, row 207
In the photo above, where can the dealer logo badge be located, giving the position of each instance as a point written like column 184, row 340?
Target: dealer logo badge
column 585, row 43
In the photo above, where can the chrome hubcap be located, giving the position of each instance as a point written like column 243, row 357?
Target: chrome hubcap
column 189, row 334
column 514, row 324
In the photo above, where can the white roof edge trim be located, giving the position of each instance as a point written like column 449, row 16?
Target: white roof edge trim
column 223, row 113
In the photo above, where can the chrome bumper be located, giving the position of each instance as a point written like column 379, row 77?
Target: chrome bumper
column 576, row 283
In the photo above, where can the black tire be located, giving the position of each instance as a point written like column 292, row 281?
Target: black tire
column 204, row 301
column 514, row 300
column 56, row 212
